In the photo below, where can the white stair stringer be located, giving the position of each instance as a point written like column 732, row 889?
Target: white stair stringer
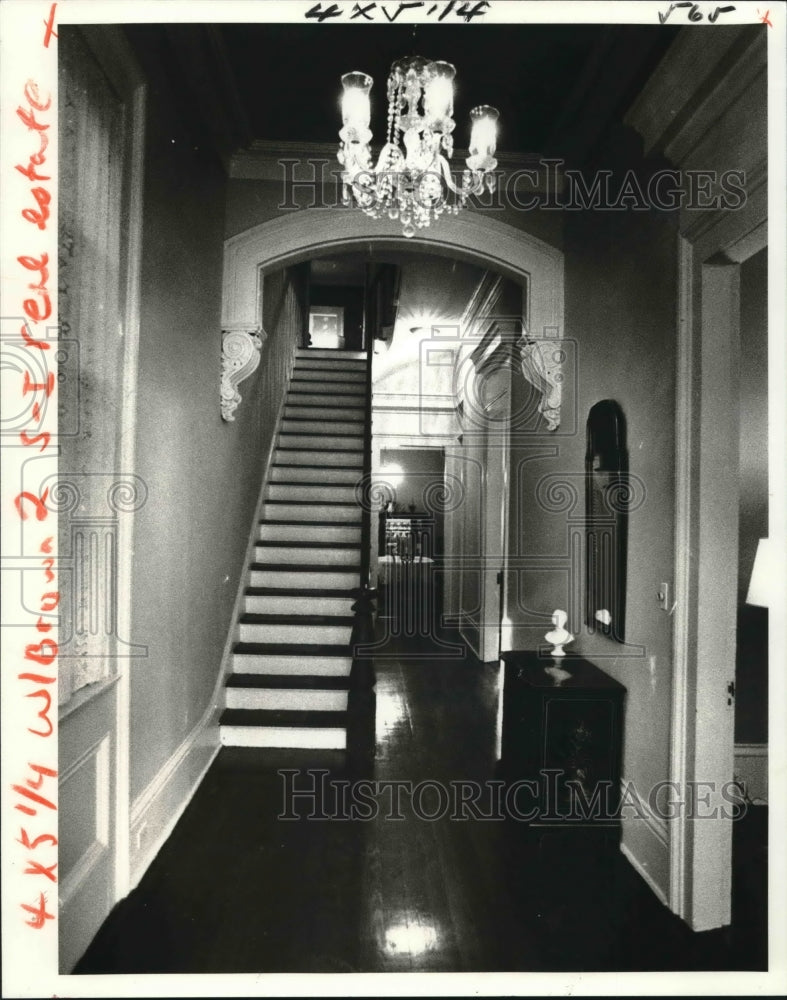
column 290, row 668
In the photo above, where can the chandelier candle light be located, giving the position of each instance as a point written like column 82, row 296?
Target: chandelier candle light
column 412, row 184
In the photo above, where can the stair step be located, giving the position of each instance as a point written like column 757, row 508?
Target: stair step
column 256, row 691
column 315, row 456
column 304, row 577
column 355, row 415
column 272, row 550
column 278, row 553
column 289, row 531
column 284, row 591
column 347, row 547
column 310, row 382
column 315, row 474
column 355, row 364
column 239, row 717
column 275, row 600
column 351, row 368
column 351, row 440
column 327, row 492
column 285, row 659
column 338, row 401
column 305, row 621
column 324, row 427
column 306, row 373
column 296, row 682
column 281, row 728
column 331, row 629
column 330, row 353
column 339, row 443
column 300, row 510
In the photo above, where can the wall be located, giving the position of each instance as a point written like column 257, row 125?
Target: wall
column 203, row 474
column 250, row 202
column 751, row 708
column 620, row 321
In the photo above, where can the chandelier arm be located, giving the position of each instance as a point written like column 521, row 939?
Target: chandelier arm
column 446, row 169
column 477, row 180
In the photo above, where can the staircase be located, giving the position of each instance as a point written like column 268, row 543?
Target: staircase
column 290, row 672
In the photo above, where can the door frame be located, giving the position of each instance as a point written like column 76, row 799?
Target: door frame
column 706, row 539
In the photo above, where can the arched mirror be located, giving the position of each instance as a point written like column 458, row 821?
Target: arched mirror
column 606, row 506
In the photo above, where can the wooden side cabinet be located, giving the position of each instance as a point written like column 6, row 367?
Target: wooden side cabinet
column 563, row 731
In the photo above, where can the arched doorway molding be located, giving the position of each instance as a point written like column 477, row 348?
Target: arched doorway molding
column 470, row 236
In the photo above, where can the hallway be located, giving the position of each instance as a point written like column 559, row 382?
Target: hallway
column 235, row 889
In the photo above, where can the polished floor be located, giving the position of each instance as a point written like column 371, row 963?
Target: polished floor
column 237, row 888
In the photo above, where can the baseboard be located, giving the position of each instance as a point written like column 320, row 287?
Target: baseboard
column 751, row 771
column 470, row 632
column 642, row 871
column 645, row 842
column 155, row 812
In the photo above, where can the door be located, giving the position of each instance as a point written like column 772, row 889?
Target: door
column 496, row 452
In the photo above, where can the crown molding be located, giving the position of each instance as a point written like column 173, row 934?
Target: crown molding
column 702, row 74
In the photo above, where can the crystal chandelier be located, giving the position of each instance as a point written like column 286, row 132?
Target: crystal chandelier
column 414, row 183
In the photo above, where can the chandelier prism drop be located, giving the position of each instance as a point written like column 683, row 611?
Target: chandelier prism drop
column 412, row 180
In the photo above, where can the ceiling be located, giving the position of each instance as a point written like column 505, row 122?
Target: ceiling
column 288, row 76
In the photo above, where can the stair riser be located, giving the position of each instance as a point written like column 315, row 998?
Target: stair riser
column 290, row 452
column 350, row 365
column 305, row 579
column 306, row 605
column 353, row 417
column 337, row 401
column 337, row 494
column 337, row 635
column 304, row 739
column 343, row 361
column 327, row 374
column 310, row 512
column 324, row 430
column 280, row 663
column 286, row 698
column 308, row 474
column 300, row 556
column 309, row 533
column 326, row 353
column 322, row 442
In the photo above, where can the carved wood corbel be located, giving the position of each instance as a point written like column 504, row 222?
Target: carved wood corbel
column 542, row 367
column 240, row 358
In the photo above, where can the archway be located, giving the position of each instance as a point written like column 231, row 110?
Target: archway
column 471, row 236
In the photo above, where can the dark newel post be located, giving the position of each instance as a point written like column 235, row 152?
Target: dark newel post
column 366, row 493
column 361, row 704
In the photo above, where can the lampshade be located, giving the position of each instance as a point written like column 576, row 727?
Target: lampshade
column 762, row 575
column 483, row 134
column 356, row 110
column 439, row 93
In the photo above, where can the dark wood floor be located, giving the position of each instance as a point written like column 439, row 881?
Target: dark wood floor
column 236, row 889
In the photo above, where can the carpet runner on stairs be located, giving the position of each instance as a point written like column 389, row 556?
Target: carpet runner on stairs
column 291, row 663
